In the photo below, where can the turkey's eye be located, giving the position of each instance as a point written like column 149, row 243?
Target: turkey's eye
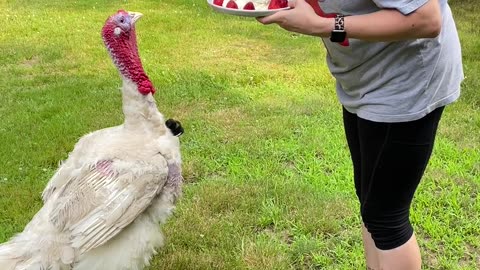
column 122, row 20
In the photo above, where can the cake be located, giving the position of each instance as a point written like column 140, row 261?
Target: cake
column 252, row 4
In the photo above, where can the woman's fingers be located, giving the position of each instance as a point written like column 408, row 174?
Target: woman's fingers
column 274, row 18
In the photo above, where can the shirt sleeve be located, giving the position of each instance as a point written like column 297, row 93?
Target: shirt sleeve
column 404, row 6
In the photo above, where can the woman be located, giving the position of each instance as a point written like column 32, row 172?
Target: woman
column 397, row 63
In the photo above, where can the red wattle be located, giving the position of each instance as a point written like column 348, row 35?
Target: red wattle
column 124, row 52
column 146, row 87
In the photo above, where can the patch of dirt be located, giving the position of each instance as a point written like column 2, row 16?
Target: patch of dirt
column 30, row 63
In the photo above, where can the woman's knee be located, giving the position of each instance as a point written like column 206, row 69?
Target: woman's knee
column 389, row 229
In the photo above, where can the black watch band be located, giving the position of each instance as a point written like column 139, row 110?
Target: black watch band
column 338, row 34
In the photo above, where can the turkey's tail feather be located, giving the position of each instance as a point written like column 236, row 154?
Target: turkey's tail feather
column 9, row 258
column 16, row 255
column 8, row 264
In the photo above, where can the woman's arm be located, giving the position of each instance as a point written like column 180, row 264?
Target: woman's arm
column 383, row 25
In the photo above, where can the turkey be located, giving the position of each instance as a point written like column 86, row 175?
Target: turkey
column 103, row 206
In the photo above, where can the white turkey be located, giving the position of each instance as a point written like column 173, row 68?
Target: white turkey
column 103, row 206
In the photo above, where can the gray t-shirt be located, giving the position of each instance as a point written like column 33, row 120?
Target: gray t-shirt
column 395, row 81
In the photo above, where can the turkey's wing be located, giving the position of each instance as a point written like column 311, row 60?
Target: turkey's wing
column 105, row 197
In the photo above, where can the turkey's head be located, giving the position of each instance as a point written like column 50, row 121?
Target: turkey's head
column 119, row 36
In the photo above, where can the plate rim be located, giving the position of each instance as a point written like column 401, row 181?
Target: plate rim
column 243, row 11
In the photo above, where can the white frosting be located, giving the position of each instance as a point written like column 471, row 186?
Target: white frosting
column 259, row 4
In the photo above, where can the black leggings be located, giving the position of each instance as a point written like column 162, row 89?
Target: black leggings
column 389, row 160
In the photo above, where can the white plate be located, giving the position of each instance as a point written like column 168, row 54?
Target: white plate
column 245, row 13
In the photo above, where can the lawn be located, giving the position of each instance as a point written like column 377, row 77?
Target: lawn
column 268, row 175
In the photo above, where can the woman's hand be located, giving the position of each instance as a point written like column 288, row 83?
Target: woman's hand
column 301, row 18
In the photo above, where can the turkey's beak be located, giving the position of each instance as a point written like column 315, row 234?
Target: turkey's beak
column 135, row 16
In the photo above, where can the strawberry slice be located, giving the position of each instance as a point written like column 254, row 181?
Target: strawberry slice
column 232, row 4
column 276, row 4
column 218, row 2
column 249, row 6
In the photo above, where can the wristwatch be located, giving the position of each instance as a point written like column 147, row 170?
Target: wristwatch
column 338, row 34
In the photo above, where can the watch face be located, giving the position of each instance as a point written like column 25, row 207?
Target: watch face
column 338, row 36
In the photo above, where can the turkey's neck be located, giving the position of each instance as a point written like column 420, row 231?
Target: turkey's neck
column 140, row 110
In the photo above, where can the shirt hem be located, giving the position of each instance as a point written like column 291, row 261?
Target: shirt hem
column 406, row 117
column 412, row 6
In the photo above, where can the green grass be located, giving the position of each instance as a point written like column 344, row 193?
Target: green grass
column 269, row 181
